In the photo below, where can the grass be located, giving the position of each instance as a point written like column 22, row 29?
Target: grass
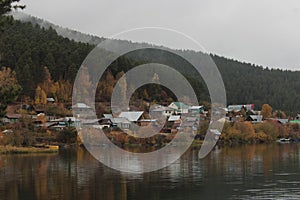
column 25, row 150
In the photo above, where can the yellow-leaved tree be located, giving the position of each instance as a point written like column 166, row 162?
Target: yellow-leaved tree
column 9, row 88
column 40, row 96
column 266, row 111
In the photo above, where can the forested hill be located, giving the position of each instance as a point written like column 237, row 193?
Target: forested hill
column 253, row 84
column 27, row 48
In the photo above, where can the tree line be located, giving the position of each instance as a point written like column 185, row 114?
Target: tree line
column 27, row 49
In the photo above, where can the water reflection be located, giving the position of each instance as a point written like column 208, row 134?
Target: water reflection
column 243, row 172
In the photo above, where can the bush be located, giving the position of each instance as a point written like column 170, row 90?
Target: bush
column 68, row 135
column 270, row 130
column 58, row 110
column 19, row 138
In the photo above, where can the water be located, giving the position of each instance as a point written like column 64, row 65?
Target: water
column 243, row 172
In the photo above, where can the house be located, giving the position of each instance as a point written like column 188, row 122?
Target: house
column 39, row 110
column 161, row 110
column 96, row 123
column 254, row 118
column 7, row 131
column 237, row 108
column 132, row 116
column 82, row 110
column 39, row 119
column 62, row 123
column 104, row 122
column 192, row 119
column 107, row 116
column 174, row 118
column 81, row 106
column 11, row 118
column 196, row 109
column 42, row 115
column 189, row 124
column 173, row 123
column 283, row 121
column 58, row 124
column 89, row 122
column 46, row 125
column 278, row 120
column 121, row 122
column 146, row 122
column 179, row 107
column 72, row 122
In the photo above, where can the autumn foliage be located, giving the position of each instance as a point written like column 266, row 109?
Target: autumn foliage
column 246, row 132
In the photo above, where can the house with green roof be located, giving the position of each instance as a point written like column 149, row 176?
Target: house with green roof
column 296, row 121
column 179, row 107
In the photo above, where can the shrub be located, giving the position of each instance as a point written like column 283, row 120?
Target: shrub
column 68, row 135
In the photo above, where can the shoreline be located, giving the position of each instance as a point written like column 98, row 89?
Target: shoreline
column 26, row 150
column 55, row 149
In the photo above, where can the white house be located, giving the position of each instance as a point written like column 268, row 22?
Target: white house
column 196, row 109
column 162, row 110
column 179, row 107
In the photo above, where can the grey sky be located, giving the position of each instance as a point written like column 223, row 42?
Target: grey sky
column 265, row 32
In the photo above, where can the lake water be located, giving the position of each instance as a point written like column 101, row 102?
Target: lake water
column 243, row 172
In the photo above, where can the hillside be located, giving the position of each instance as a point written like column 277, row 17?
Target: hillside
column 27, row 49
column 65, row 32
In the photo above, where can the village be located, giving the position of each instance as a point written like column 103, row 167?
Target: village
column 41, row 122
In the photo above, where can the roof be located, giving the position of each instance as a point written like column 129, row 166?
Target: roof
column 195, row 107
column 256, row 117
column 104, row 121
column 58, row 120
column 7, row 131
column 72, row 119
column 118, row 120
column 81, row 105
column 234, row 107
column 47, row 124
column 107, row 116
column 239, row 107
column 295, row 121
column 50, row 99
column 173, row 118
column 132, row 116
column 215, row 131
column 162, row 108
column 283, row 121
column 40, row 114
column 180, row 105
column 13, row 116
column 90, row 121
column 58, row 126
column 148, row 120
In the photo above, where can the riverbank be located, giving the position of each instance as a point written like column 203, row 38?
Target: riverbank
column 27, row 150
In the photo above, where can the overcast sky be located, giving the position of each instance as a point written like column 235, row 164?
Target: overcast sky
column 265, row 32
